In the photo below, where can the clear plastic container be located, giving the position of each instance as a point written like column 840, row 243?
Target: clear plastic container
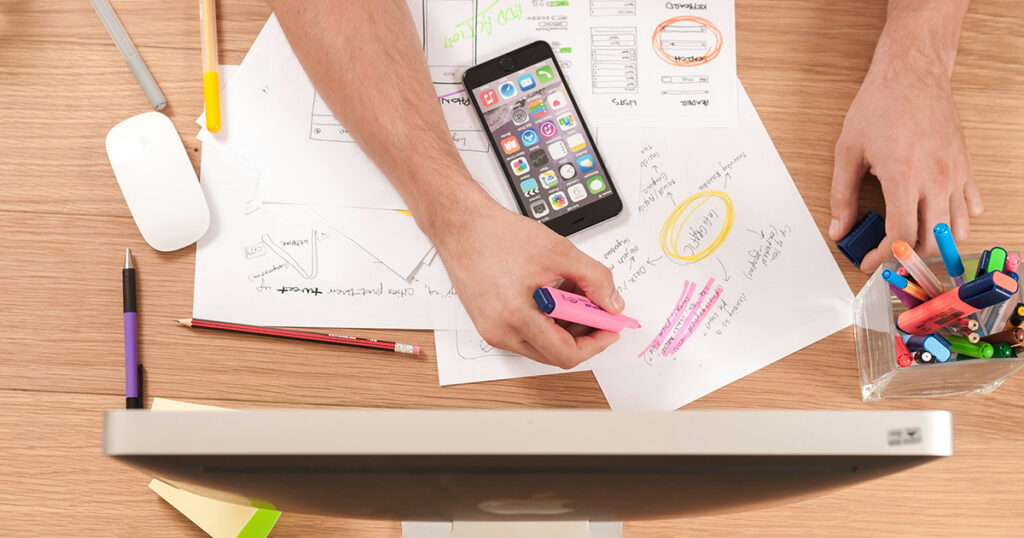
column 875, row 310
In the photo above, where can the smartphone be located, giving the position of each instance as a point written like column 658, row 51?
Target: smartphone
column 541, row 140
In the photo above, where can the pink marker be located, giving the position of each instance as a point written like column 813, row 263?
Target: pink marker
column 578, row 309
column 1012, row 263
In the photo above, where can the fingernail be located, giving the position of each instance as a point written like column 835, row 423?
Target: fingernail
column 833, row 228
column 617, row 301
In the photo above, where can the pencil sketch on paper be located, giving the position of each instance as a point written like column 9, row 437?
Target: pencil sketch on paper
column 308, row 271
column 470, row 345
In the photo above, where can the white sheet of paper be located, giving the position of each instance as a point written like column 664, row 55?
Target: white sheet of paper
column 714, row 210
column 465, row 357
column 257, row 268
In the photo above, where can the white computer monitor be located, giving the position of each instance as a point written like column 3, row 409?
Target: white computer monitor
column 471, row 465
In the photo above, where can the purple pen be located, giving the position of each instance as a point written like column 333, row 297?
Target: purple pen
column 132, row 394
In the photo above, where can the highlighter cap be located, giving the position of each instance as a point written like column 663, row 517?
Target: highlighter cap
column 544, row 300
column 866, row 235
column 947, row 249
column 987, row 290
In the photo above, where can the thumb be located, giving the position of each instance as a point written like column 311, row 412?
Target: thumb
column 593, row 278
column 847, row 173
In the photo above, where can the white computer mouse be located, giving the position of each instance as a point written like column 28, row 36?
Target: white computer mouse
column 158, row 181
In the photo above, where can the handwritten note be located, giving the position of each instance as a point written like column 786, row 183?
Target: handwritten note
column 717, row 256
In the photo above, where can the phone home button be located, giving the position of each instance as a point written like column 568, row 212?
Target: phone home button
column 507, row 63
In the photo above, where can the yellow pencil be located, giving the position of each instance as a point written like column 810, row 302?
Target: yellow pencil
column 211, row 84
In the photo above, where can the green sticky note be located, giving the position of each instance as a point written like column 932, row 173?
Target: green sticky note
column 560, row 3
column 260, row 524
column 565, row 50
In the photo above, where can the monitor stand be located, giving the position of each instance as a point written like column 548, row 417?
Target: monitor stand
column 511, row 529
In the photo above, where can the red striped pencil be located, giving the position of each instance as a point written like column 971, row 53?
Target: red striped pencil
column 371, row 343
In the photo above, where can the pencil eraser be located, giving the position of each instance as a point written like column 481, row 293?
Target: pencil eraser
column 865, row 237
column 415, row 350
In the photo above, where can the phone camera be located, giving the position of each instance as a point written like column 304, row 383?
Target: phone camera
column 507, row 64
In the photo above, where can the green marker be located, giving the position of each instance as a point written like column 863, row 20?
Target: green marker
column 1002, row 351
column 996, row 259
column 962, row 346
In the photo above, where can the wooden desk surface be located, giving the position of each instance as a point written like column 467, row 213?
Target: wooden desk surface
column 64, row 226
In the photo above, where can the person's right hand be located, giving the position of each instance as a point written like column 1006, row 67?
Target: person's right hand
column 496, row 259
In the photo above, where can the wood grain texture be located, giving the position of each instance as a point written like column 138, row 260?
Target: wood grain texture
column 64, row 226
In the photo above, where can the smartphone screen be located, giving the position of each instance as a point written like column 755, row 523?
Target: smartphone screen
column 540, row 138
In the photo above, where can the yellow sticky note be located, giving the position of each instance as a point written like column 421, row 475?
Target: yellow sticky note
column 218, row 518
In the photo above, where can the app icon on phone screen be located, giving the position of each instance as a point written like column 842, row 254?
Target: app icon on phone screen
column 558, row 200
column 548, row 179
column 548, row 129
column 586, row 163
column 509, row 145
column 576, row 142
column 539, row 209
column 556, row 100
column 577, row 192
column 507, row 90
column 489, row 98
column 558, row 150
column 520, row 166
column 520, row 116
column 595, row 184
column 529, row 137
column 538, row 158
column 529, row 187
column 526, row 82
column 545, row 75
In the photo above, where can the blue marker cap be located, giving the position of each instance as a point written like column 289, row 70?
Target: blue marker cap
column 865, row 237
column 939, row 347
column 984, row 292
column 544, row 300
column 895, row 278
column 948, row 251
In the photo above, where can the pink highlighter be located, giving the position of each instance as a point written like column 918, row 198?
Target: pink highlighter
column 574, row 308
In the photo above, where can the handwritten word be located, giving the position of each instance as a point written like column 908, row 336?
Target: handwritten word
column 623, row 102
column 304, row 291
column 694, row 102
column 727, row 165
column 482, row 23
column 679, row 5
column 295, row 242
column 769, row 249
column 708, row 222
column 722, row 318
column 259, row 276
column 654, row 190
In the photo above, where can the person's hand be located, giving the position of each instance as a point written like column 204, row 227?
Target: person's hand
column 496, row 259
column 904, row 128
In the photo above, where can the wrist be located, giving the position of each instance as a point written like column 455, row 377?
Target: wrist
column 445, row 218
column 921, row 39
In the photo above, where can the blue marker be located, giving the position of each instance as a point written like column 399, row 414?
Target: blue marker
column 939, row 347
column 950, row 254
column 895, row 278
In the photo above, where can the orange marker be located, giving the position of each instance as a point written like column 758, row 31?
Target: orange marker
column 915, row 265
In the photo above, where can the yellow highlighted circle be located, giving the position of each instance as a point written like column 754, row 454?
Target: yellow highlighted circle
column 676, row 223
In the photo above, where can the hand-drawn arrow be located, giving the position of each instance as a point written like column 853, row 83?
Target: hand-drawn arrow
column 727, row 277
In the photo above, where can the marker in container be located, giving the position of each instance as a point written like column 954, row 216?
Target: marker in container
column 1002, row 351
column 908, row 300
column 903, row 356
column 996, row 260
column 1012, row 263
column 915, row 265
column 982, row 264
column 1017, row 317
column 574, row 308
column 958, row 302
column 923, row 357
column 935, row 344
column 960, row 346
column 950, row 254
column 902, row 283
column 902, row 271
column 1012, row 337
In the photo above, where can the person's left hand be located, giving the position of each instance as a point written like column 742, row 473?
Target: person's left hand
column 904, row 128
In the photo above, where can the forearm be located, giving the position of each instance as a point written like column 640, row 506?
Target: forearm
column 367, row 64
column 925, row 33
